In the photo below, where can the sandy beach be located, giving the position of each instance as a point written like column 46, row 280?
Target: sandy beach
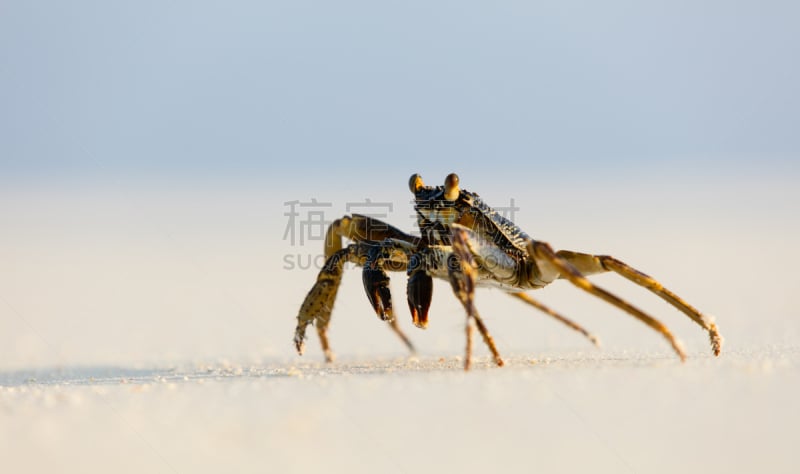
column 568, row 413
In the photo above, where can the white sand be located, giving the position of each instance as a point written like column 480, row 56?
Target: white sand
column 573, row 413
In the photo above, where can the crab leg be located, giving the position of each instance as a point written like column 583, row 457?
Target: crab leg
column 462, row 278
column 469, row 330
column 588, row 264
column 548, row 256
column 402, row 335
column 547, row 310
column 487, row 339
column 318, row 304
column 360, row 228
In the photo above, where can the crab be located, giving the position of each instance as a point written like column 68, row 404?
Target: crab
column 464, row 241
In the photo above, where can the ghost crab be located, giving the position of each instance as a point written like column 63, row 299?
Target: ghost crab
column 467, row 243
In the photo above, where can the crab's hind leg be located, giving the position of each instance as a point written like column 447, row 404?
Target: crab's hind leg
column 588, row 264
column 545, row 256
column 462, row 271
column 557, row 316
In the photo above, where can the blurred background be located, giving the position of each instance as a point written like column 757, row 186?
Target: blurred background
column 150, row 153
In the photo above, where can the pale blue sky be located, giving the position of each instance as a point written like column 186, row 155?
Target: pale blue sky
column 189, row 90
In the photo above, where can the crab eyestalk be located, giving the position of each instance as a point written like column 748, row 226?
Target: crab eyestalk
column 415, row 183
column 451, row 189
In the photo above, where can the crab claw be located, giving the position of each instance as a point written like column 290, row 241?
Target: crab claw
column 420, row 293
column 376, row 284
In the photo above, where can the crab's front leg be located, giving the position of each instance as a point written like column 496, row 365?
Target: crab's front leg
column 463, row 272
column 318, row 304
column 458, row 264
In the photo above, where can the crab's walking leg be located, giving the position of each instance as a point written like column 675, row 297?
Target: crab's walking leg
column 462, row 272
column 487, row 338
column 469, row 330
column 588, row 264
column 547, row 310
column 402, row 335
column 319, row 301
column 360, row 228
column 547, row 256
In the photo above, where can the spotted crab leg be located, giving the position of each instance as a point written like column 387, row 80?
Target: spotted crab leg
column 318, row 304
column 547, row 256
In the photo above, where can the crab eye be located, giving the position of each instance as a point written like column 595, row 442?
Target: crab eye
column 415, row 183
column 451, row 187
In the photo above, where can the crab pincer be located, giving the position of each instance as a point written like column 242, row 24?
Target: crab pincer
column 376, row 285
column 420, row 294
